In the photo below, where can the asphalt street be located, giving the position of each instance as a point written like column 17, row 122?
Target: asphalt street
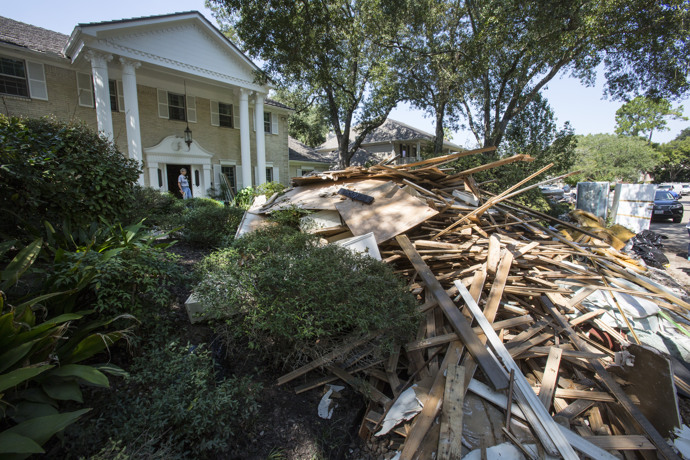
column 676, row 243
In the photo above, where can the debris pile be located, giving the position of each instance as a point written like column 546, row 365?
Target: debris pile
column 534, row 329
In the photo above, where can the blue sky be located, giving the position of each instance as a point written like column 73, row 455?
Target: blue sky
column 583, row 106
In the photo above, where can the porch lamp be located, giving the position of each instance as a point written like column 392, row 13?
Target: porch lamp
column 188, row 136
column 187, row 131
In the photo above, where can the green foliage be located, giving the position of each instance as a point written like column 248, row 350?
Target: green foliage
column 173, row 402
column 161, row 211
column 59, row 172
column 641, row 116
column 332, row 50
column 245, row 197
column 309, row 123
column 674, row 160
column 125, row 269
column 210, row 223
column 606, row 157
column 287, row 295
column 40, row 354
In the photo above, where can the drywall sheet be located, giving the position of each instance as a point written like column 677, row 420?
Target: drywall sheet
column 633, row 205
column 392, row 212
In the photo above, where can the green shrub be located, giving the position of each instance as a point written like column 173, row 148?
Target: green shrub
column 162, row 211
column 291, row 298
column 173, row 401
column 41, row 356
column 244, row 197
column 209, row 223
column 124, row 270
column 61, row 173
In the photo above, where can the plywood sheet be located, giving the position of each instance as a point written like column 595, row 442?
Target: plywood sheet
column 321, row 196
column 392, row 212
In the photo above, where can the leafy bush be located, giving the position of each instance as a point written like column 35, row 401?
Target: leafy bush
column 290, row 297
column 173, row 402
column 244, row 197
column 61, row 173
column 125, row 269
column 40, row 359
column 209, row 223
column 161, row 210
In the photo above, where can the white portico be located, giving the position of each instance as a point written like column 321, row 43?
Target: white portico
column 170, row 73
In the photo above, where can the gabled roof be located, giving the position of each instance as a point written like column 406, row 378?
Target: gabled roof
column 390, row 131
column 302, row 152
column 31, row 37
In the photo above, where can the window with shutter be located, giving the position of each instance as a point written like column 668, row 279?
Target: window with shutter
column 37, row 80
column 85, row 90
column 176, row 107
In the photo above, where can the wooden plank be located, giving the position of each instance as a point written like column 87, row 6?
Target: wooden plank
column 461, row 326
column 575, row 408
column 546, row 429
column 432, row 404
column 622, row 442
column 548, row 382
column 391, row 370
column 360, row 385
column 447, row 338
column 633, row 411
column 328, row 357
column 386, row 217
column 494, row 254
column 449, row 443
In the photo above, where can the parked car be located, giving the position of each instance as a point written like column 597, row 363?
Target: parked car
column 666, row 206
column 685, row 189
column 668, row 188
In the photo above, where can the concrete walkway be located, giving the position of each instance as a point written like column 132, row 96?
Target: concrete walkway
column 676, row 245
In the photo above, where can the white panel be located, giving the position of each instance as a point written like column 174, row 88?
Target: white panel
column 163, row 104
column 191, row 109
column 37, row 81
column 215, row 117
column 217, row 171
column 633, row 205
column 274, row 123
column 238, row 177
column 120, row 96
column 299, row 172
column 190, row 44
column 85, row 89
column 236, row 117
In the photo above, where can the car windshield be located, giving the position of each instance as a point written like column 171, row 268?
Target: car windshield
column 662, row 195
column 664, row 187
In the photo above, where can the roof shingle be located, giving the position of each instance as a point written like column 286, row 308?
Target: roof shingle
column 32, row 37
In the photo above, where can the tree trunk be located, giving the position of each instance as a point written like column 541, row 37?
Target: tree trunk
column 438, row 141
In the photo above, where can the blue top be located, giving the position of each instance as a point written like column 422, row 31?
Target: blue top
column 183, row 181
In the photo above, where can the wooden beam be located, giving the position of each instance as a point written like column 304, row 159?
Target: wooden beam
column 449, row 442
column 461, row 326
column 546, row 429
column 548, row 382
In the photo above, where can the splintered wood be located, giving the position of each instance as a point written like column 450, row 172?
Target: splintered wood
column 509, row 322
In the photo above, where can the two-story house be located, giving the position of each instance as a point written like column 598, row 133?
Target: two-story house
column 171, row 91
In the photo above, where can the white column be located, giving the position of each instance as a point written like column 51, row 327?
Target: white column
column 244, row 138
column 206, row 184
column 419, row 150
column 260, row 139
column 153, row 175
column 99, row 68
column 129, row 86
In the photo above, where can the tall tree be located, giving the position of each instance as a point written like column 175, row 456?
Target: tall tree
column 644, row 115
column 331, row 49
column 506, row 51
column 310, row 121
column 674, row 158
column 607, row 157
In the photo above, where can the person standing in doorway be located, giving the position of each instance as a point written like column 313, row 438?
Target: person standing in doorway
column 183, row 183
